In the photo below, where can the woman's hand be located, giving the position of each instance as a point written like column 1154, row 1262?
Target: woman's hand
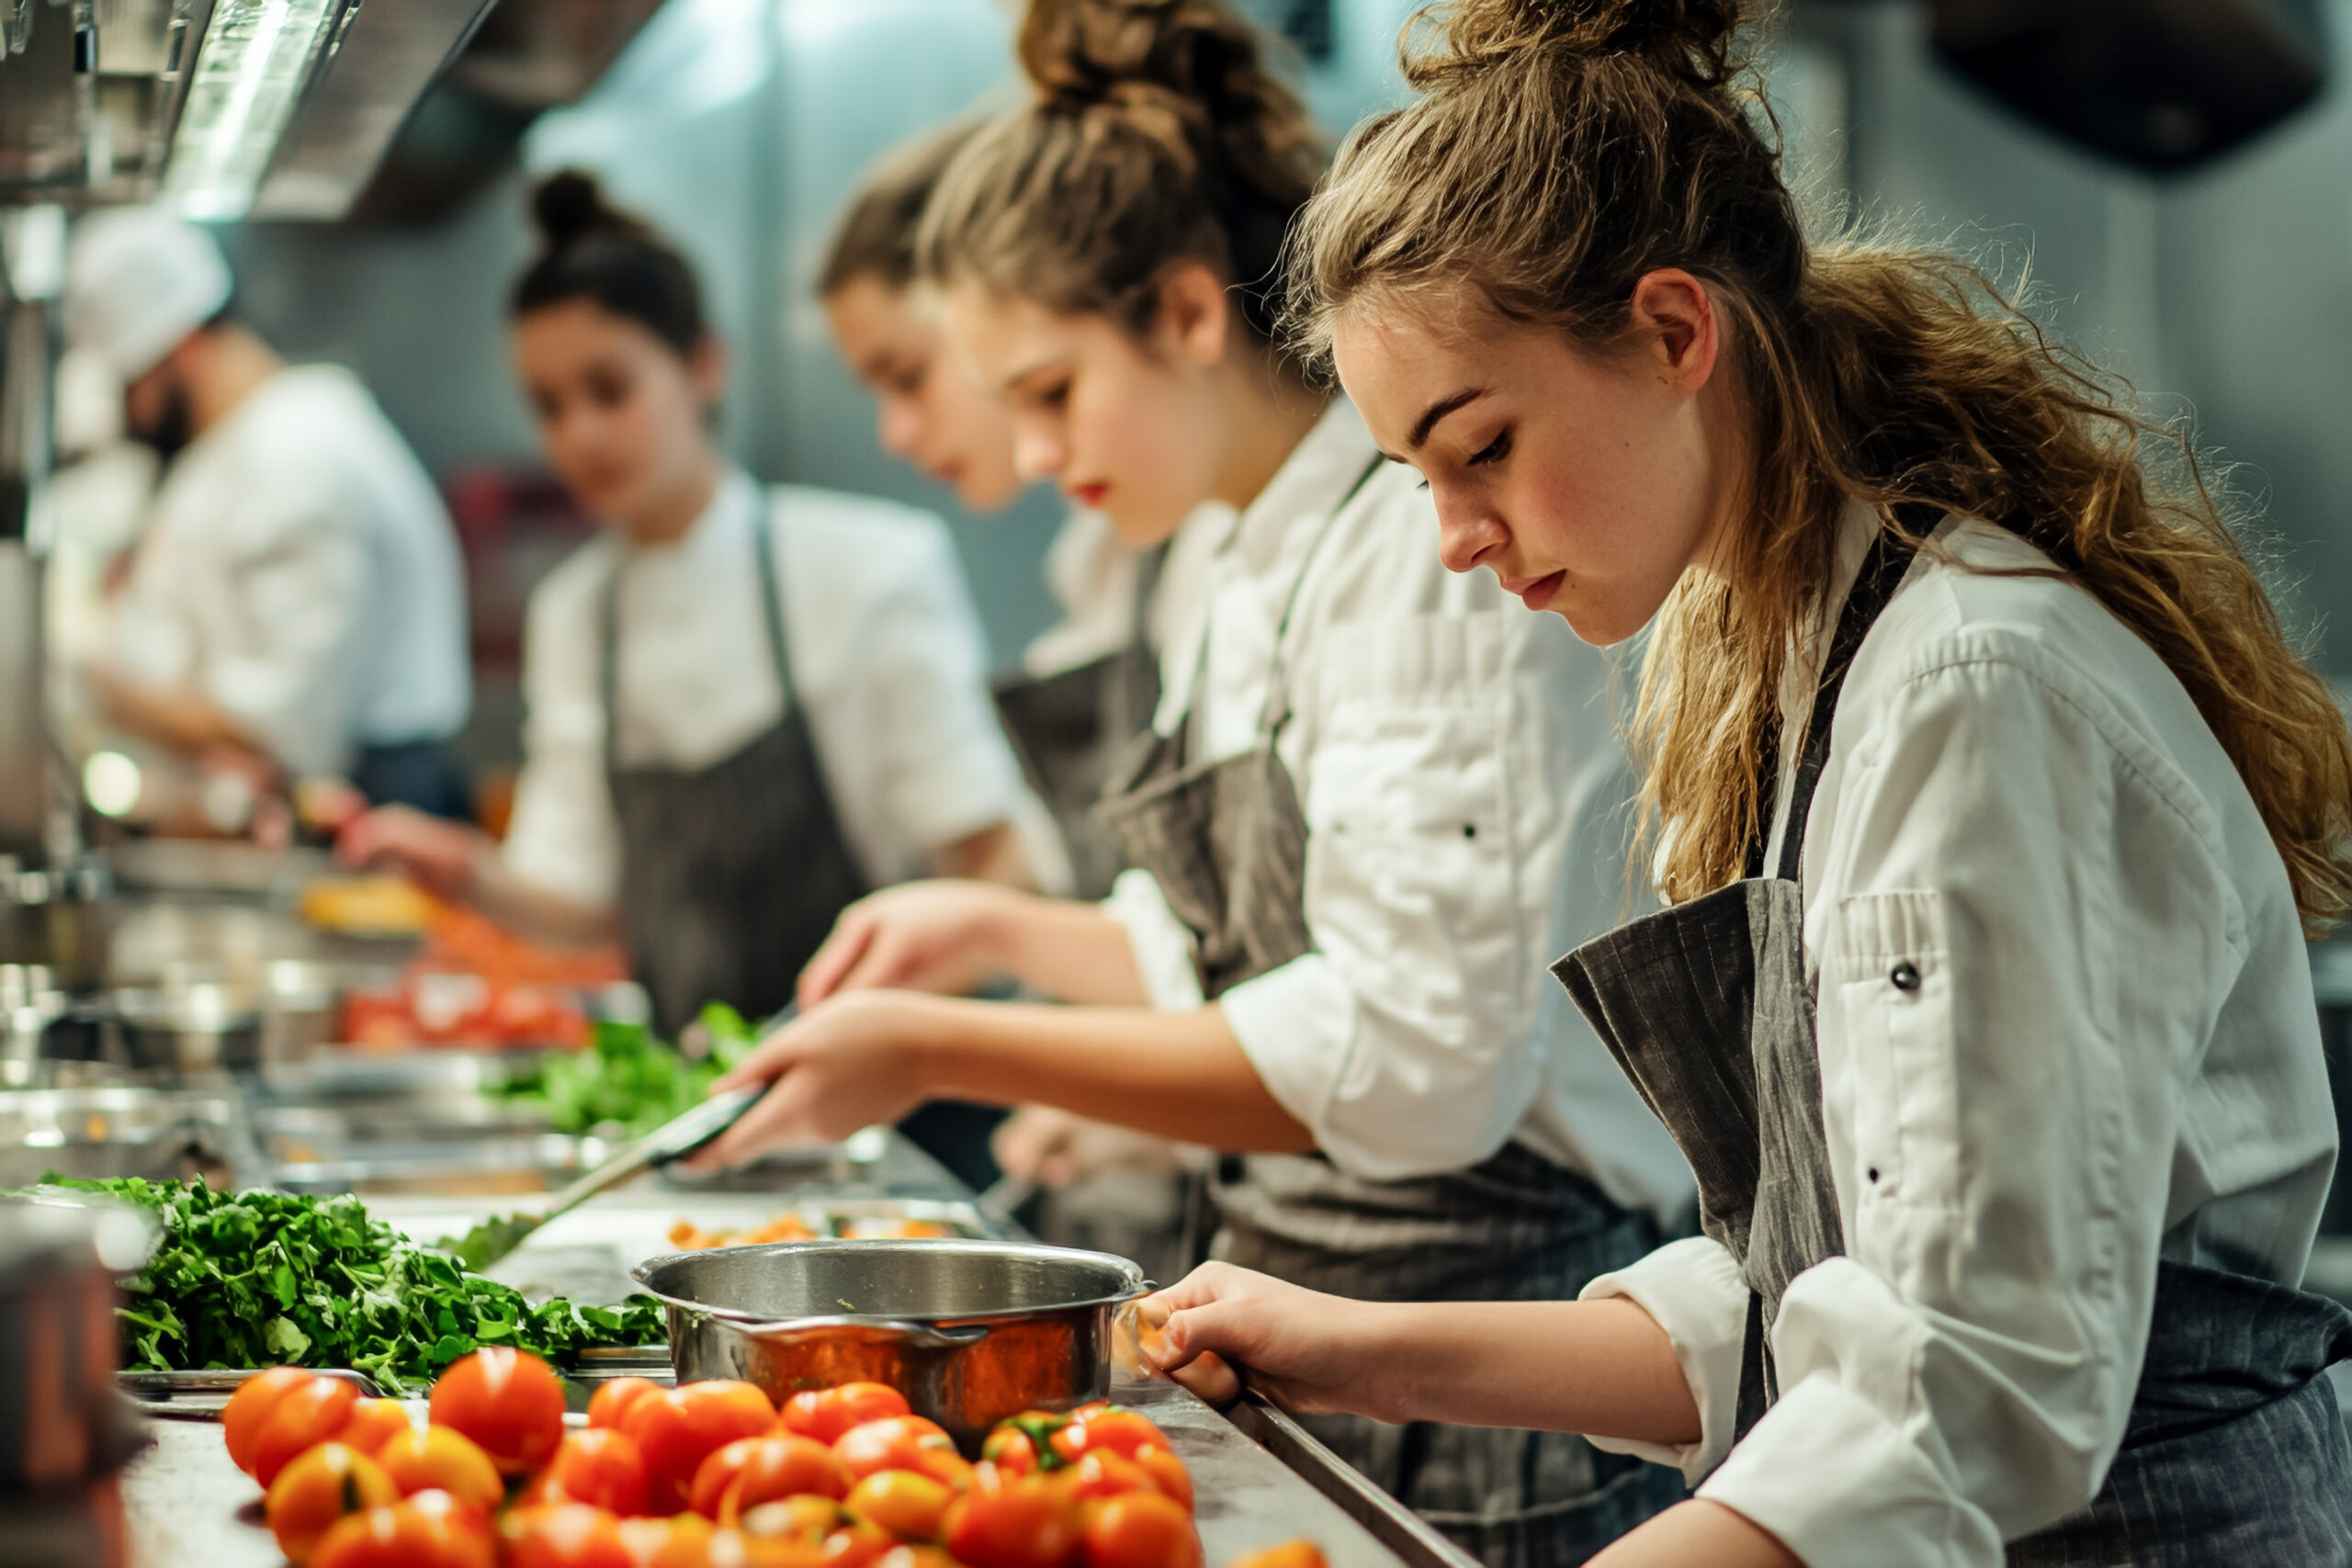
column 1053, row 1148
column 1311, row 1353
column 943, row 937
column 440, row 856
column 851, row 1063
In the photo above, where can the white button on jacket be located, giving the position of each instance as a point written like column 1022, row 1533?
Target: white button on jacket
column 2066, row 1030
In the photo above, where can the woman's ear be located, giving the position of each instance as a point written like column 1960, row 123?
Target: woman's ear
column 1195, row 313
column 1674, row 311
column 710, row 368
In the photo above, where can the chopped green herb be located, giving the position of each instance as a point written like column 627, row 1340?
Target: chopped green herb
column 260, row 1279
column 627, row 1078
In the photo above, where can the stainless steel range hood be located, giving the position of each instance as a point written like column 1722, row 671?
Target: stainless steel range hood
column 225, row 108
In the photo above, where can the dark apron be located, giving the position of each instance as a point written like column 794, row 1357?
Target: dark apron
column 1227, row 842
column 1071, row 727
column 731, row 874
column 2235, row 1451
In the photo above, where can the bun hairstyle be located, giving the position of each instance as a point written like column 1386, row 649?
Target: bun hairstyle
column 591, row 251
column 876, row 238
column 1156, row 133
column 1561, row 150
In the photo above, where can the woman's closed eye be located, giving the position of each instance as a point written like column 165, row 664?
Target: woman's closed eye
column 1494, row 451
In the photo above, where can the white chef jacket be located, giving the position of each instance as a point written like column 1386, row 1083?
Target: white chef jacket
column 887, row 655
column 300, row 572
column 2111, row 1057
column 1458, row 767
column 1091, row 575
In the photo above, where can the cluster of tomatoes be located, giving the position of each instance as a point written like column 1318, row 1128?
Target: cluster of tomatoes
column 704, row 1476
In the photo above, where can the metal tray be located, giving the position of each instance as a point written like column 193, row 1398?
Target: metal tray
column 201, row 1395
column 470, row 1168
column 1392, row 1524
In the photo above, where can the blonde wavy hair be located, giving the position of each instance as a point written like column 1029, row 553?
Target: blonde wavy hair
column 1562, row 149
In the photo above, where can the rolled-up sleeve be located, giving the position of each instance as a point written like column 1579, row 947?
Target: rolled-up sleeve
column 1694, row 1289
column 1405, row 1041
column 2006, row 870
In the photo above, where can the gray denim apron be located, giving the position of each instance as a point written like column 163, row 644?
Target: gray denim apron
column 730, row 875
column 1227, row 842
column 1071, row 727
column 2235, row 1451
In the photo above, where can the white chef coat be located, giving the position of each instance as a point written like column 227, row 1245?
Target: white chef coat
column 1091, row 575
column 300, row 572
column 887, row 655
column 2111, row 1057
column 1458, row 767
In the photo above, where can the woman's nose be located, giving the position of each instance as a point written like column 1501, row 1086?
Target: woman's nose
column 1468, row 531
column 901, row 428
column 1038, row 455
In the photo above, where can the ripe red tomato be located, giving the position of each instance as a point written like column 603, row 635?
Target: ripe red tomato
column 1167, row 1472
column 306, row 1415
column 1022, row 1522
column 679, row 1428
column 596, row 1466
column 373, row 1423
column 566, row 1535
column 825, row 1414
column 1141, row 1529
column 429, row 1531
column 682, row 1540
column 902, row 1442
column 608, row 1406
column 760, row 1469
column 1105, row 1474
column 442, row 1459
column 249, row 1407
column 508, row 1401
column 317, row 1488
column 909, row 1505
column 1115, row 1428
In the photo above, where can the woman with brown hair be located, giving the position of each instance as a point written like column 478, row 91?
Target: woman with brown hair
column 1990, row 807
column 1374, row 798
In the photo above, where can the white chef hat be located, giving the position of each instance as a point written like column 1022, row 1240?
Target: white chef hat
column 140, row 280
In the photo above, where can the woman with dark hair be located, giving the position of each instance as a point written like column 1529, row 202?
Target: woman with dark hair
column 747, row 707
column 1990, row 806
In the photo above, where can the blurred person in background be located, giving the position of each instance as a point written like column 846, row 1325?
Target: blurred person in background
column 295, row 606
column 747, row 707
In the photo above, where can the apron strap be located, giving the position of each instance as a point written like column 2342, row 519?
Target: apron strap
column 1881, row 573
column 608, row 633
column 1277, row 709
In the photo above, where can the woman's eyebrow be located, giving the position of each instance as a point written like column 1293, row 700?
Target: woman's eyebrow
column 1438, row 411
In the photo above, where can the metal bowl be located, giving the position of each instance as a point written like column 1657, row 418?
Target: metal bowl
column 970, row 1331
column 197, row 1028
column 164, row 1135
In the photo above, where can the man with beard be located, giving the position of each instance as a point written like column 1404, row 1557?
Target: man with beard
column 296, row 606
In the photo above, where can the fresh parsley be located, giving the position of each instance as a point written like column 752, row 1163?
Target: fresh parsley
column 628, row 1082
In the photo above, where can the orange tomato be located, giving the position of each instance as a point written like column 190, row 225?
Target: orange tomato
column 825, row 1414
column 917, row 1557
column 249, row 1407
column 818, row 1522
column 682, row 1540
column 566, row 1535
column 608, row 1406
column 909, row 1505
column 306, row 1415
column 431, row 1529
column 442, row 1459
column 373, row 1423
column 759, row 1469
column 508, row 1401
column 903, row 1442
column 679, row 1428
column 1105, row 1474
column 1115, row 1428
column 1167, row 1471
column 1289, row 1554
column 1141, row 1529
column 318, row 1487
column 1021, row 1522
column 598, row 1466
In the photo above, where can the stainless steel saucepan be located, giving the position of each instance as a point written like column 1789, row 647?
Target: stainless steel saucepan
column 970, row 1331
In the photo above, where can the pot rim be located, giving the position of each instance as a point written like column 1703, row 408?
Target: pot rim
column 1136, row 1286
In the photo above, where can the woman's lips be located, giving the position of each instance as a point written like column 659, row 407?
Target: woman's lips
column 1089, row 496
column 1535, row 592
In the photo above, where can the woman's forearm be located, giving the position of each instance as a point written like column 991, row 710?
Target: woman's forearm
column 1178, row 1074
column 1603, row 1368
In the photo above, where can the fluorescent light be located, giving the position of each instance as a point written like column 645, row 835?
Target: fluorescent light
column 249, row 75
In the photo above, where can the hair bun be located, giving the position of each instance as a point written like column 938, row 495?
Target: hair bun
column 569, row 205
column 1689, row 39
